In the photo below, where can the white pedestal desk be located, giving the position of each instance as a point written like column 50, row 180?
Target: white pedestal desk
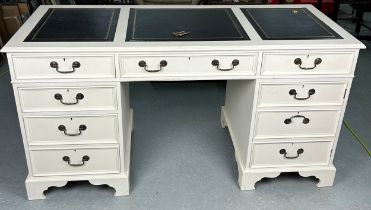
column 285, row 99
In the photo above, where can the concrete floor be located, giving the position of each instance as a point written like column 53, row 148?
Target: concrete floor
column 183, row 159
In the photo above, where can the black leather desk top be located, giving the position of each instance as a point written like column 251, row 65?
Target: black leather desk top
column 76, row 25
column 288, row 24
column 200, row 24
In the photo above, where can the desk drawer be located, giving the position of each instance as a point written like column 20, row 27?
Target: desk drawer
column 63, row 67
column 307, row 63
column 279, row 124
column 291, row 154
column 195, row 65
column 71, row 161
column 301, row 94
column 67, row 98
column 71, row 129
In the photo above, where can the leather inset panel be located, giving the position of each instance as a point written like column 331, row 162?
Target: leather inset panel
column 76, row 25
column 217, row 24
column 288, row 24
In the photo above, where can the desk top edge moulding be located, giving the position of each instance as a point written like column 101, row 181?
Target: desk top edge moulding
column 288, row 82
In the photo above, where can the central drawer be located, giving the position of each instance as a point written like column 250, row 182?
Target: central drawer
column 291, row 154
column 71, row 129
column 63, row 66
column 280, row 124
column 70, row 161
column 151, row 66
column 67, row 98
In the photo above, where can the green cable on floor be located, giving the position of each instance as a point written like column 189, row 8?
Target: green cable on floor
column 357, row 137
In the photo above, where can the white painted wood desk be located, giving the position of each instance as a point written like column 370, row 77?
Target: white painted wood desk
column 281, row 117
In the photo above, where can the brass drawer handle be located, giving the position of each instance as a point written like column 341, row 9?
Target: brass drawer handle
column 298, row 153
column 64, row 129
column 78, row 97
column 293, row 92
column 84, row 159
column 234, row 63
column 289, row 120
column 316, row 62
column 55, row 65
column 180, row 33
column 143, row 64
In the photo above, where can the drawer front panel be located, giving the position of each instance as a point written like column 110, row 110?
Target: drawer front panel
column 71, row 129
column 304, row 94
column 60, row 67
column 75, row 161
column 280, row 124
column 291, row 154
column 195, row 65
column 225, row 65
column 152, row 66
column 67, row 99
column 309, row 63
